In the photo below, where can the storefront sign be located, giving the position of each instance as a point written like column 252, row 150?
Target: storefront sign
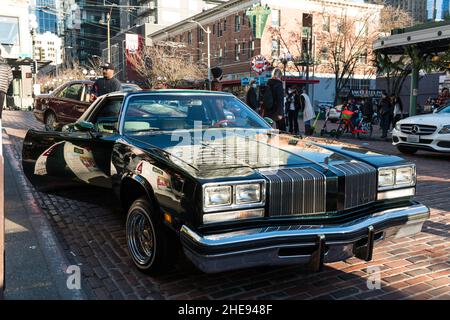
column 258, row 17
column 260, row 64
column 361, row 93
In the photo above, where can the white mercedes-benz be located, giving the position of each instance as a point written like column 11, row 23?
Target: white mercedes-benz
column 429, row 132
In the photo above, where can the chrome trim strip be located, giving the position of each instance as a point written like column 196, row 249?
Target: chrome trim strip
column 396, row 193
column 417, row 213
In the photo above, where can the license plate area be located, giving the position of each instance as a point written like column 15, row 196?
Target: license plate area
column 413, row 138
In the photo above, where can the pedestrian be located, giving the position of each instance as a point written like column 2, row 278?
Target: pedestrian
column 252, row 98
column 384, row 109
column 273, row 100
column 398, row 110
column 308, row 111
column 443, row 97
column 367, row 109
column 293, row 108
column 107, row 84
column 6, row 78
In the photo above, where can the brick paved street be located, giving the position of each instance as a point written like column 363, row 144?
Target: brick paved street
column 93, row 236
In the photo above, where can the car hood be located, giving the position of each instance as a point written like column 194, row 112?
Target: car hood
column 433, row 119
column 232, row 153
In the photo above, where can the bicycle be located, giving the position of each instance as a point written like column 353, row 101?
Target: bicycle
column 363, row 127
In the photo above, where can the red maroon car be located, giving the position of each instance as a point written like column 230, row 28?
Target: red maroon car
column 64, row 105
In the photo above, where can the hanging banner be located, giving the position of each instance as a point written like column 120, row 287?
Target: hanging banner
column 132, row 42
column 258, row 17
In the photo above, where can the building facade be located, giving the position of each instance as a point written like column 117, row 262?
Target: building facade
column 296, row 28
column 16, row 47
column 47, row 47
column 417, row 8
column 438, row 10
column 46, row 14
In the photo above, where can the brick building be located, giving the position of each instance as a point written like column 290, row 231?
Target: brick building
column 303, row 27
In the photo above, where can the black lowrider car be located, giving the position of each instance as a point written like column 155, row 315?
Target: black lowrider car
column 202, row 169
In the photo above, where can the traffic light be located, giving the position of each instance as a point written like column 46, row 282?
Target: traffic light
column 34, row 67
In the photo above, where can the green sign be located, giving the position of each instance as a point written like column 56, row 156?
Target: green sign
column 258, row 17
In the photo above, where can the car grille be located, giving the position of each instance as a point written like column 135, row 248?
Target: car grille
column 360, row 183
column 419, row 129
column 295, row 191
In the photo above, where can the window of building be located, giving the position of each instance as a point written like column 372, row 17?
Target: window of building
column 251, row 51
column 237, row 51
column 275, row 18
column 225, row 25
column 189, row 37
column 362, row 58
column 201, row 35
column 361, row 28
column 275, row 48
column 9, row 30
column 214, row 29
column 324, row 54
column 243, row 49
column 220, row 55
column 237, row 23
column 326, row 24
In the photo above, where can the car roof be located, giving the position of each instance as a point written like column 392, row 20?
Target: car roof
column 177, row 91
column 164, row 91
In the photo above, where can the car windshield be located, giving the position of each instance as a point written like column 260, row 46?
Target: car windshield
column 167, row 112
column 445, row 110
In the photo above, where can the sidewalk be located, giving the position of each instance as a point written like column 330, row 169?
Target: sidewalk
column 35, row 265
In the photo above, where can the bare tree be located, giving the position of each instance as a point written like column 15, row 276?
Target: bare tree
column 166, row 62
column 349, row 45
column 394, row 68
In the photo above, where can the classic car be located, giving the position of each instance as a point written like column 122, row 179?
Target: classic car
column 68, row 102
column 429, row 132
column 232, row 191
column 64, row 105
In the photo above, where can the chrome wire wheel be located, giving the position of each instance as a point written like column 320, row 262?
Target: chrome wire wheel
column 140, row 237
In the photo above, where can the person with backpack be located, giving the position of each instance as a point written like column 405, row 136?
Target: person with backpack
column 273, row 100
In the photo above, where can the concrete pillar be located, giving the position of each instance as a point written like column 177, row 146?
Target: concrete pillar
column 414, row 90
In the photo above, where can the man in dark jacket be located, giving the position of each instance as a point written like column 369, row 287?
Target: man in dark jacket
column 108, row 83
column 6, row 77
column 293, row 108
column 252, row 100
column 384, row 109
column 276, row 111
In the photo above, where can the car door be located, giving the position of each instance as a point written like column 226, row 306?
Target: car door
column 71, row 106
column 60, row 159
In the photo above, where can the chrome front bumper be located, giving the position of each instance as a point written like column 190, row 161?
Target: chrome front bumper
column 300, row 244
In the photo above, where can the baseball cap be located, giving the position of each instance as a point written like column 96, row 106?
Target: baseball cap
column 107, row 65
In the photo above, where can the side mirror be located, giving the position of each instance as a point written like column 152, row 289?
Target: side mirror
column 435, row 110
column 269, row 120
column 84, row 125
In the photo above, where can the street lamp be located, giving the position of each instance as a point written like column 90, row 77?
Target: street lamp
column 208, row 32
column 108, row 30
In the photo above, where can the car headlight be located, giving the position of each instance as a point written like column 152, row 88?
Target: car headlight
column 233, row 195
column 404, row 176
column 386, row 177
column 445, row 130
column 396, row 177
column 217, row 196
column 248, row 193
column 397, row 127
